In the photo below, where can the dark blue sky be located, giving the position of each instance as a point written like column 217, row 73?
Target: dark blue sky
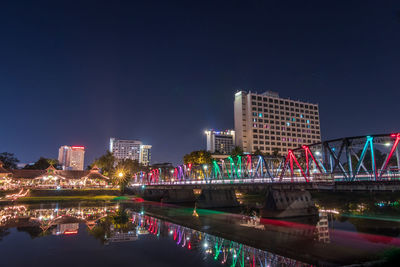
column 79, row 72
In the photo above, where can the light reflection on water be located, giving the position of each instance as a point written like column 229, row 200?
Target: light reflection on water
column 335, row 233
column 111, row 224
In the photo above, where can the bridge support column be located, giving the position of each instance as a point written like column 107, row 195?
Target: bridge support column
column 152, row 194
column 285, row 204
column 179, row 196
column 217, row 198
column 169, row 195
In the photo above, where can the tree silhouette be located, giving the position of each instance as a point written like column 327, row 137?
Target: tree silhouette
column 9, row 160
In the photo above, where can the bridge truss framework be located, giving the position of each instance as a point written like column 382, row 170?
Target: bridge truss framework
column 372, row 158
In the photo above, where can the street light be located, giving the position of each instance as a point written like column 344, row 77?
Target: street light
column 120, row 174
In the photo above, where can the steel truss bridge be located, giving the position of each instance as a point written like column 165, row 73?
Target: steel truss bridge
column 220, row 249
column 360, row 158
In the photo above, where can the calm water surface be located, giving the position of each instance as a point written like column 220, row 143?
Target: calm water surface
column 149, row 234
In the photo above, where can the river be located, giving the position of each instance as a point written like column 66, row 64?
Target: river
column 140, row 233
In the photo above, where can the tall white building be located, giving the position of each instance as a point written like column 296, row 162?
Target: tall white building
column 269, row 123
column 220, row 142
column 130, row 149
column 145, row 154
column 71, row 157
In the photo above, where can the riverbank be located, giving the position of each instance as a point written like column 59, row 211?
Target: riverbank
column 66, row 199
column 65, row 195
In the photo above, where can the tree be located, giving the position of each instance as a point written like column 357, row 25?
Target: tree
column 236, row 151
column 198, row 157
column 106, row 163
column 128, row 166
column 120, row 171
column 9, row 160
column 125, row 170
column 42, row 164
column 258, row 152
column 275, row 152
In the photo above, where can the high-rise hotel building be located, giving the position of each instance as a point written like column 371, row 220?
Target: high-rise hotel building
column 220, row 142
column 269, row 123
column 71, row 157
column 130, row 149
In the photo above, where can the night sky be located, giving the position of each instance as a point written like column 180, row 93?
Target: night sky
column 80, row 72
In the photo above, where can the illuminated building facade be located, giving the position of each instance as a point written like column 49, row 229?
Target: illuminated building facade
column 130, row 149
column 271, row 124
column 220, row 142
column 72, row 157
column 58, row 179
column 145, row 154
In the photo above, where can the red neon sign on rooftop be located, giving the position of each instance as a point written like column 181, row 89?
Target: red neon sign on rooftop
column 78, row 147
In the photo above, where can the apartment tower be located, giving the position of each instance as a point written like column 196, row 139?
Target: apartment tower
column 273, row 125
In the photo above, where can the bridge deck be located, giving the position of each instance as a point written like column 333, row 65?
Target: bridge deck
column 318, row 186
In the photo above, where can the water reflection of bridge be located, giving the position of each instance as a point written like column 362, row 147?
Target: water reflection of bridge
column 220, row 249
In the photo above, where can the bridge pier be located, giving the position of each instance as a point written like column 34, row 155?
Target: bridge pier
column 217, row 198
column 169, row 195
column 285, row 204
column 179, row 196
column 152, row 194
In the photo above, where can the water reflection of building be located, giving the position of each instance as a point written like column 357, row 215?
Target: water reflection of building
column 142, row 231
column 66, row 229
column 322, row 228
column 117, row 236
column 53, row 217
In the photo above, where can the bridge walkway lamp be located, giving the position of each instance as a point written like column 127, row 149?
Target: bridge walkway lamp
column 205, row 168
column 172, row 175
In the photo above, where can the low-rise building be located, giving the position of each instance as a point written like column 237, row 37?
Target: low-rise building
column 52, row 178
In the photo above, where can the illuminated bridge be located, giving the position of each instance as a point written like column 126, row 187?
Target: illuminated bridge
column 349, row 159
column 361, row 163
